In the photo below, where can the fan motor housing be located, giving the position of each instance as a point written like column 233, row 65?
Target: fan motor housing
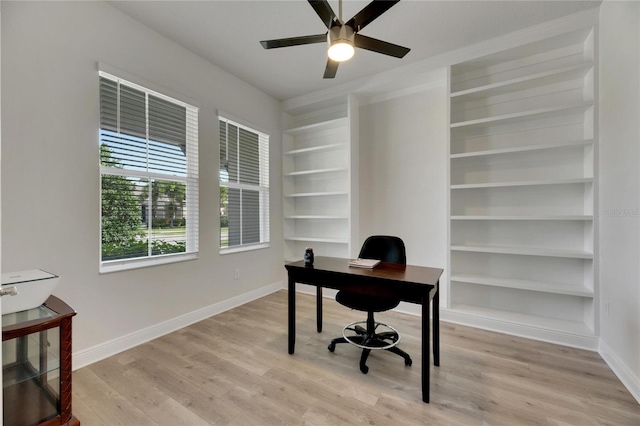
column 340, row 33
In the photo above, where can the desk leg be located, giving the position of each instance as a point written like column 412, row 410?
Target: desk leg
column 319, row 308
column 425, row 348
column 436, row 327
column 292, row 315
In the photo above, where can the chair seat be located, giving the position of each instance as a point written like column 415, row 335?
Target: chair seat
column 367, row 302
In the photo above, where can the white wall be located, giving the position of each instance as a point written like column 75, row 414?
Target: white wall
column 50, row 182
column 49, row 171
column 403, row 174
column 1, row 408
column 620, row 189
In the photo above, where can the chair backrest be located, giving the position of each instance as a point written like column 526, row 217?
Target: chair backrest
column 384, row 247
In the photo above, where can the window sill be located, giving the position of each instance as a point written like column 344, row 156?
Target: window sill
column 127, row 264
column 239, row 249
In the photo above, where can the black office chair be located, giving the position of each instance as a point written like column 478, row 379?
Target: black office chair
column 370, row 300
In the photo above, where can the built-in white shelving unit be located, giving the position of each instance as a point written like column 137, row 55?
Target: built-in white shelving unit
column 318, row 168
column 522, row 173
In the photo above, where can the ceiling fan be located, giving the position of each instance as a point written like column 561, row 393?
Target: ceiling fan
column 342, row 37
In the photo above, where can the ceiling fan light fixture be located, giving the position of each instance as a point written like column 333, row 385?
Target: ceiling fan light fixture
column 340, row 40
column 341, row 36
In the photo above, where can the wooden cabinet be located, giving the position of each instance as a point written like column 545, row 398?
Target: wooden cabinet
column 36, row 365
column 318, row 167
column 522, row 190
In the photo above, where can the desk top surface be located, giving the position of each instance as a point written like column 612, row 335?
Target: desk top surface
column 390, row 271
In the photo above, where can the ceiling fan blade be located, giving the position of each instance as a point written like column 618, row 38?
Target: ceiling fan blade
column 380, row 46
column 370, row 12
column 294, row 41
column 324, row 11
column 331, row 69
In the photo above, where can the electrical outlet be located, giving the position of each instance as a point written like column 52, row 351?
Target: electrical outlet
column 236, row 274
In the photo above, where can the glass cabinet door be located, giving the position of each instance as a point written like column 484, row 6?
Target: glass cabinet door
column 31, row 372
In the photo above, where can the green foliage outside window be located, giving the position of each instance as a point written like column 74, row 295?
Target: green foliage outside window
column 124, row 235
column 121, row 219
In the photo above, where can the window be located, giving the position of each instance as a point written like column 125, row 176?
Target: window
column 148, row 175
column 244, row 187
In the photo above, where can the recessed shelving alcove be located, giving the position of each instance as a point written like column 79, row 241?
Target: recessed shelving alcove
column 522, row 174
column 318, row 167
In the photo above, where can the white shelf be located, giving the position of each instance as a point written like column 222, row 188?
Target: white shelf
column 317, row 216
column 519, row 284
column 526, row 115
column 524, row 149
column 315, row 149
column 316, row 194
column 525, row 251
column 316, row 127
column 317, row 171
column 517, row 217
column 523, row 183
column 316, row 239
column 571, row 72
column 547, row 323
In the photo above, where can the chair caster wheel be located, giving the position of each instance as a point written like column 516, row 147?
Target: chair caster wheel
column 408, row 362
column 364, row 369
column 331, row 347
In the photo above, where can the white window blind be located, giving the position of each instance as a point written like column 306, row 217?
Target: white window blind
column 149, row 174
column 244, row 187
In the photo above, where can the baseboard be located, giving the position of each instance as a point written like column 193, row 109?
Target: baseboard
column 410, row 309
column 521, row 330
column 104, row 350
column 620, row 369
column 329, row 293
column 628, row 379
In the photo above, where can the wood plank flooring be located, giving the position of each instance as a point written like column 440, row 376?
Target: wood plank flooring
column 233, row 369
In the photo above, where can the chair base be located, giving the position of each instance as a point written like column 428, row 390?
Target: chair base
column 369, row 340
column 364, row 340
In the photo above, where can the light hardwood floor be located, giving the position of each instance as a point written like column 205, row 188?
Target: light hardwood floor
column 233, row 369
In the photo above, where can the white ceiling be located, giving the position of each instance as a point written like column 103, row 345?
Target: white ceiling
column 227, row 34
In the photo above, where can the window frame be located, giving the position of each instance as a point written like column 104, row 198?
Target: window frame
column 190, row 179
column 263, row 188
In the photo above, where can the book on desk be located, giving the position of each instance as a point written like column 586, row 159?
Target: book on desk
column 364, row 263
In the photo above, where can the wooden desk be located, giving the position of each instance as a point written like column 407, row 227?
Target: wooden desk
column 414, row 284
